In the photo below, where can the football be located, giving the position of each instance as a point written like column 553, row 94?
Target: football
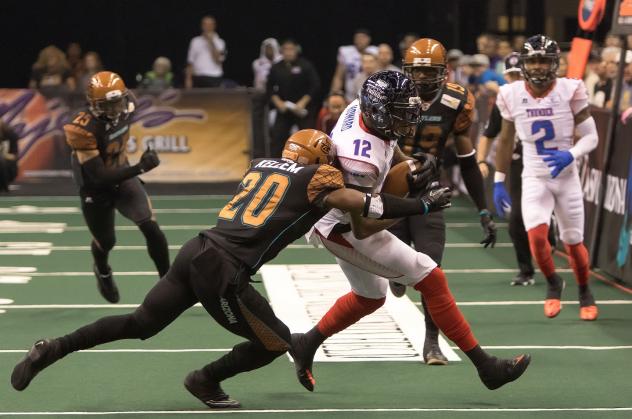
column 395, row 182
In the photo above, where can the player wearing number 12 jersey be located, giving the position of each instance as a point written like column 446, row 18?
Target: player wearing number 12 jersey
column 278, row 200
column 546, row 112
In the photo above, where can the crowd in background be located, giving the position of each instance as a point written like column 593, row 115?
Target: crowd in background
column 291, row 83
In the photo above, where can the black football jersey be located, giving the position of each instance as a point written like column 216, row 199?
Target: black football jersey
column 87, row 132
column 277, row 202
column 451, row 112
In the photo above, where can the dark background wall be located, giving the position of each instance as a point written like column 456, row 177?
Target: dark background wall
column 130, row 34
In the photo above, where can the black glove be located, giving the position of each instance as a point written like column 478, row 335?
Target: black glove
column 419, row 179
column 489, row 229
column 436, row 199
column 148, row 161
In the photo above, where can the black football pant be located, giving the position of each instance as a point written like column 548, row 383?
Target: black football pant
column 427, row 234
column 131, row 200
column 237, row 307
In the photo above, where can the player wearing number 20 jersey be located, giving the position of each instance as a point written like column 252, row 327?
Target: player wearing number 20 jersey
column 546, row 112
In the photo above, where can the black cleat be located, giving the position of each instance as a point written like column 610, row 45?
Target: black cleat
column 497, row 372
column 42, row 354
column 433, row 355
column 303, row 356
column 523, row 279
column 208, row 391
column 398, row 290
column 106, row 285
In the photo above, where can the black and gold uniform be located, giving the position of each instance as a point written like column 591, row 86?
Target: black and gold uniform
column 450, row 114
column 107, row 181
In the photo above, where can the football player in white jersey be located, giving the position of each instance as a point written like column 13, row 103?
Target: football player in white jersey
column 350, row 63
column 365, row 144
column 547, row 112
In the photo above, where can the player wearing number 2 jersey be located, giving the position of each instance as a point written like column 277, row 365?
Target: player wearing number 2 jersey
column 546, row 112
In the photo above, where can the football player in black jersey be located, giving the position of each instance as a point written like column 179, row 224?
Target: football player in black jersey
column 278, row 201
column 446, row 109
column 98, row 137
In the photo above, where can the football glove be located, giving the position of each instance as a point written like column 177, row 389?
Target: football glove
column 489, row 229
column 419, row 179
column 557, row 160
column 502, row 201
column 436, row 199
column 148, row 161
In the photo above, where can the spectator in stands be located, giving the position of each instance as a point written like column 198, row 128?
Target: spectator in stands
column 369, row 66
column 626, row 88
column 563, row 67
column 75, row 60
column 405, row 43
column 487, row 44
column 205, row 57
column 504, row 49
column 51, row 72
column 484, row 77
column 350, row 63
column 292, row 83
column 517, row 42
column 268, row 55
column 464, row 70
column 607, row 71
column 91, row 65
column 385, row 58
column 160, row 77
column 591, row 78
column 453, row 57
column 612, row 41
column 333, row 107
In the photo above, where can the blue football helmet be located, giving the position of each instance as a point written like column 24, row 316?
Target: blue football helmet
column 390, row 104
column 540, row 49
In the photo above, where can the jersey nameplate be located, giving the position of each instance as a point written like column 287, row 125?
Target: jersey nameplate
column 288, row 167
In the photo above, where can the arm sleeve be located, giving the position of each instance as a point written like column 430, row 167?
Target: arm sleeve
column 580, row 98
column 492, row 129
column 588, row 138
column 326, row 179
column 473, row 180
column 465, row 117
column 101, row 175
column 503, row 106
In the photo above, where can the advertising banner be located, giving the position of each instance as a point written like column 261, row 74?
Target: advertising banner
column 200, row 135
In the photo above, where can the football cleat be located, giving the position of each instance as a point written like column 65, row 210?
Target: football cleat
column 553, row 303
column 497, row 372
column 208, row 391
column 398, row 290
column 523, row 279
column 303, row 356
column 42, row 354
column 587, row 308
column 106, row 285
column 433, row 355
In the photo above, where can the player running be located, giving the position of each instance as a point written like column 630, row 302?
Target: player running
column 546, row 112
column 98, row 137
column 278, row 201
column 446, row 109
column 365, row 141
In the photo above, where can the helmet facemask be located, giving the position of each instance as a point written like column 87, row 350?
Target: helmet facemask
column 545, row 70
column 428, row 78
column 115, row 104
column 405, row 117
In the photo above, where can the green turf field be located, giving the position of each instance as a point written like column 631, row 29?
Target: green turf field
column 578, row 369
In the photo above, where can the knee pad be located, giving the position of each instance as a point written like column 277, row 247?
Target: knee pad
column 572, row 237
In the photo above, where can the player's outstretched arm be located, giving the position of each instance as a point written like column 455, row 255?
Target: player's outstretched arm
column 101, row 175
column 503, row 160
column 371, row 213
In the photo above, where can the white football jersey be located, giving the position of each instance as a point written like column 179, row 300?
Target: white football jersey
column 543, row 123
column 363, row 158
column 351, row 58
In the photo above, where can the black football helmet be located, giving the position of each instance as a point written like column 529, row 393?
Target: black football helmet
column 540, row 48
column 390, row 104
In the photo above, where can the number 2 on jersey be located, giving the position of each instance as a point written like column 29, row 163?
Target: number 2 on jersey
column 549, row 134
column 262, row 204
column 366, row 147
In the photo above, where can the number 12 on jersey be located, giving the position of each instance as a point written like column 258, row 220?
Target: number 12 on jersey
column 361, row 148
column 549, row 134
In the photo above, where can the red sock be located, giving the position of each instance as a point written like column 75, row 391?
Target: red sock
column 541, row 249
column 346, row 311
column 579, row 261
column 443, row 309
